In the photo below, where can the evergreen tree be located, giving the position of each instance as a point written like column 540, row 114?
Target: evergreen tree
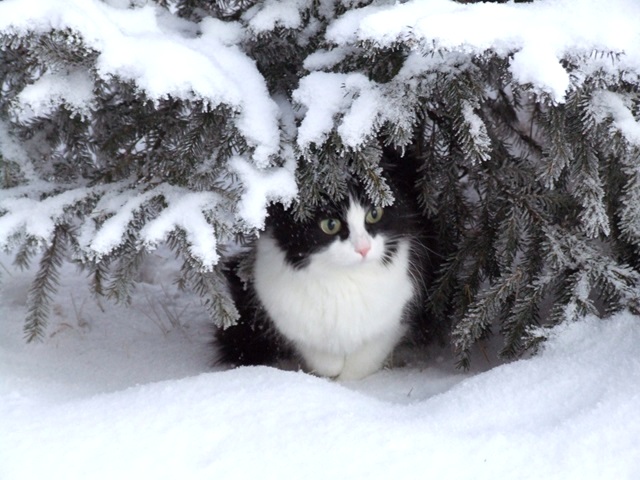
column 106, row 152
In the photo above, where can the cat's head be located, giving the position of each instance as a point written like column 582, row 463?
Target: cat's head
column 348, row 233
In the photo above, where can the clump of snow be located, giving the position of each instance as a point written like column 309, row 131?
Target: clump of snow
column 35, row 218
column 121, row 205
column 116, row 393
column 614, row 105
column 327, row 96
column 185, row 211
column 322, row 59
column 73, row 89
column 478, row 131
column 359, row 121
column 355, row 106
column 227, row 33
column 525, row 66
column 323, row 96
column 534, row 37
column 275, row 13
column 262, row 186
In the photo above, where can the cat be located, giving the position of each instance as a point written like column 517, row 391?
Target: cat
column 338, row 291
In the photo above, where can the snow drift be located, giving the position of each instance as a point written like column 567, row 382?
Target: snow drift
column 117, row 397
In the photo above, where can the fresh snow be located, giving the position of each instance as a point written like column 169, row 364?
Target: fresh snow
column 129, row 393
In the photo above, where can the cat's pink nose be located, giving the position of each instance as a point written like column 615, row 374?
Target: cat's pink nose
column 363, row 249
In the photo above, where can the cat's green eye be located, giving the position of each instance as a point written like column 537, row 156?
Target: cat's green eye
column 374, row 215
column 330, row 226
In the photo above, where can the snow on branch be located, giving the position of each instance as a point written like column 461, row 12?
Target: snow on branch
column 276, row 13
column 262, row 187
column 162, row 55
column 34, row 217
column 535, row 36
column 351, row 100
column 184, row 210
column 617, row 106
column 73, row 89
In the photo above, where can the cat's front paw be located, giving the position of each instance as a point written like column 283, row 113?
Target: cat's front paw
column 357, row 370
column 321, row 363
column 371, row 356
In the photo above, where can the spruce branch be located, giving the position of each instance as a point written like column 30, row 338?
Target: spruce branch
column 209, row 284
column 480, row 316
column 45, row 283
column 524, row 314
column 28, row 248
column 557, row 151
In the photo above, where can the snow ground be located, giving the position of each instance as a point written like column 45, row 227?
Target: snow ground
column 117, row 392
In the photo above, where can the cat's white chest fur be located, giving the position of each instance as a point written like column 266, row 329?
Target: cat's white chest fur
column 345, row 318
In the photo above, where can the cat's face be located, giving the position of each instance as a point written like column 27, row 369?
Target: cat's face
column 351, row 233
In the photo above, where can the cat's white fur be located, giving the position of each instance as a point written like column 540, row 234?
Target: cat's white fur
column 343, row 311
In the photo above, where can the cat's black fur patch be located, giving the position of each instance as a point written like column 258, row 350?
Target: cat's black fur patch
column 253, row 340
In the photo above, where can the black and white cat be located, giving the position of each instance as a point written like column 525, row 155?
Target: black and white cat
column 338, row 291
